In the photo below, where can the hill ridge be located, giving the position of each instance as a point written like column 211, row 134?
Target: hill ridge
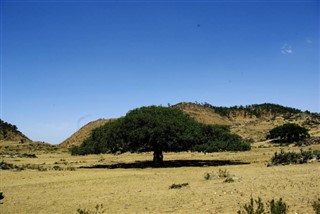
column 9, row 132
column 79, row 136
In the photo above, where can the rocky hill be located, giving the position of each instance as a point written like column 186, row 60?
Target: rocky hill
column 251, row 122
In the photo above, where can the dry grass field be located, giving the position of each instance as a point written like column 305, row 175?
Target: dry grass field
column 146, row 190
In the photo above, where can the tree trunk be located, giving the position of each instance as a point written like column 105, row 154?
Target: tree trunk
column 157, row 157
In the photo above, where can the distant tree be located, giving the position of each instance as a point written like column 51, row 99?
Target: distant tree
column 257, row 109
column 289, row 133
column 155, row 129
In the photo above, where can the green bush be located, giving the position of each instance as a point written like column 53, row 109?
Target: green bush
column 278, row 207
column 293, row 157
column 316, row 206
column 207, row 176
column 7, row 166
column 250, row 207
column 229, row 180
column 223, row 173
column 178, row 186
column 98, row 210
column 274, row 207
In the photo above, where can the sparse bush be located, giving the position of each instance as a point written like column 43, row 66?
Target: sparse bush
column 316, row 206
column 229, row 180
column 274, row 207
column 317, row 154
column 278, row 207
column 294, row 158
column 7, row 166
column 178, row 186
column 98, row 210
column 223, row 173
column 28, row 155
column 71, row 168
column 57, row 168
column 207, row 176
column 250, row 207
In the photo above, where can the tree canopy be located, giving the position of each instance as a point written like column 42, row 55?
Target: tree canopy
column 289, row 133
column 159, row 129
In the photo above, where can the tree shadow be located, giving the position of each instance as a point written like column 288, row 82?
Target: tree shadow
column 167, row 164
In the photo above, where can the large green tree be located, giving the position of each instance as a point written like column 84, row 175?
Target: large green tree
column 288, row 133
column 156, row 129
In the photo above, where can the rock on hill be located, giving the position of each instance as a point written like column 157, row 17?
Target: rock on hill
column 9, row 132
column 251, row 122
column 77, row 138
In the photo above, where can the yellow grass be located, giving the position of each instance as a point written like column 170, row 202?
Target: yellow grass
column 147, row 190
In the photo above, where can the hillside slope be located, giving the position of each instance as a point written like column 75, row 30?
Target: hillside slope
column 78, row 137
column 9, row 132
column 251, row 122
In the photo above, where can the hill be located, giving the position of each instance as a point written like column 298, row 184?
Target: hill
column 12, row 142
column 78, row 137
column 251, row 121
column 9, row 132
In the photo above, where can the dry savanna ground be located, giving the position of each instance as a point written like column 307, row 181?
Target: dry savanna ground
column 146, row 190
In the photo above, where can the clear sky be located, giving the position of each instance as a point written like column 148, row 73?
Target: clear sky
column 66, row 63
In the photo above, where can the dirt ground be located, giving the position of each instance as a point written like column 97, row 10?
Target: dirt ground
column 146, row 190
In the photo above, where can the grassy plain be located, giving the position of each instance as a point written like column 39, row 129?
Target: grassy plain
column 146, row 190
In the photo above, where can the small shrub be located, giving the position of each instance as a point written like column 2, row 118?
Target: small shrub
column 98, row 210
column 7, row 166
column 207, row 176
column 42, row 168
column 316, row 206
column 278, row 207
column 29, row 156
column 275, row 207
column 71, row 168
column 223, row 173
column 229, row 180
column 57, row 168
column 178, row 186
column 316, row 153
column 250, row 208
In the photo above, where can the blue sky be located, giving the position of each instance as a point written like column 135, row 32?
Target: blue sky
column 65, row 63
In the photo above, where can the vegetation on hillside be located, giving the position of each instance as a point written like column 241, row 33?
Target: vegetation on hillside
column 10, row 132
column 257, row 110
column 159, row 129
